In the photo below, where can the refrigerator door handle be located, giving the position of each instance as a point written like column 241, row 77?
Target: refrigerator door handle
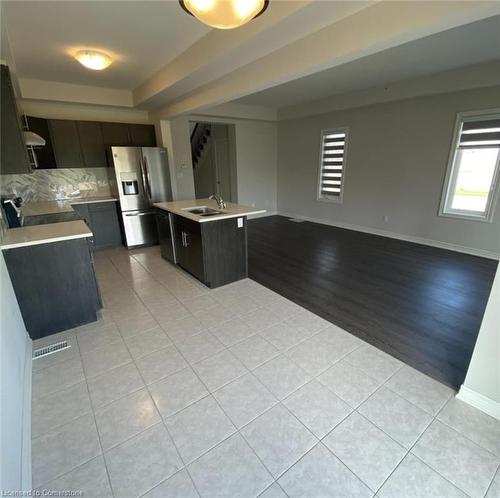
column 148, row 184
column 149, row 213
column 143, row 176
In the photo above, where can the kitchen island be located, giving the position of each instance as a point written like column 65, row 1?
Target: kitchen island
column 208, row 242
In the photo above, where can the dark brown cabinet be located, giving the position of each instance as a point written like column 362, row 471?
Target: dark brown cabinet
column 115, row 134
column 43, row 157
column 14, row 154
column 91, row 144
column 213, row 252
column 66, row 143
column 123, row 134
column 55, row 285
column 189, row 247
column 102, row 219
column 83, row 144
column 142, row 135
column 165, row 236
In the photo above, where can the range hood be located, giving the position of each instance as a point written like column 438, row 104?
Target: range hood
column 33, row 140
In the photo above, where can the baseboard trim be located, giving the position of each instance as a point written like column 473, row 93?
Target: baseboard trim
column 479, row 401
column 262, row 215
column 393, row 235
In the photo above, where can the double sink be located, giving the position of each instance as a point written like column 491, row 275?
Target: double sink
column 203, row 211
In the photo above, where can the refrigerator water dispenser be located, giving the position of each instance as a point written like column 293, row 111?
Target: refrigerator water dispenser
column 130, row 187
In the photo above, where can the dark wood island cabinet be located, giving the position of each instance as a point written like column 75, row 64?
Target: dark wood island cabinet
column 212, row 247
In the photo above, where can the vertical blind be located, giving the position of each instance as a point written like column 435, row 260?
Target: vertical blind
column 480, row 134
column 332, row 162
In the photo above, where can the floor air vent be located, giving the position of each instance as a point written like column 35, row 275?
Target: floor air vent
column 53, row 348
column 296, row 220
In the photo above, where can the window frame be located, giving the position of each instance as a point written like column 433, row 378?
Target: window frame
column 450, row 178
column 337, row 199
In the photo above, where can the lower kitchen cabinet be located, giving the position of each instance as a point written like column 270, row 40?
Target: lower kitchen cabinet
column 213, row 252
column 165, row 236
column 189, row 247
column 83, row 212
column 102, row 218
column 55, row 285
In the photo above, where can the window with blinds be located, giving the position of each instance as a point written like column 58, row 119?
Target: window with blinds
column 332, row 164
column 471, row 185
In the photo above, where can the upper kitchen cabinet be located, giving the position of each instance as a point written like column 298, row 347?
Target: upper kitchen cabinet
column 91, row 144
column 42, row 157
column 115, row 134
column 142, row 135
column 14, row 154
column 66, row 143
column 123, row 134
column 82, row 144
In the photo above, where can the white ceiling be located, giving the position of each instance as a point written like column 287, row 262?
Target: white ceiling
column 466, row 45
column 143, row 36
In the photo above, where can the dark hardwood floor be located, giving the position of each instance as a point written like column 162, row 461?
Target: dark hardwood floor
column 421, row 304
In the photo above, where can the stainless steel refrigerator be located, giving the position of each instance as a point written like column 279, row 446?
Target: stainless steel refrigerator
column 139, row 178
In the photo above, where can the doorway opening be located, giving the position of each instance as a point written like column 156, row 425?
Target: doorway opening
column 213, row 149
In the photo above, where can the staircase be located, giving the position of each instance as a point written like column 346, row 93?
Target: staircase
column 199, row 141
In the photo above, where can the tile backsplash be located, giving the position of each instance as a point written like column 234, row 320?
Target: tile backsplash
column 52, row 184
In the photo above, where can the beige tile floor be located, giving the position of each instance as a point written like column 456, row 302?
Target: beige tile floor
column 182, row 391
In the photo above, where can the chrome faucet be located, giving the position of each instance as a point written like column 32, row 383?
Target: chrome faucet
column 220, row 202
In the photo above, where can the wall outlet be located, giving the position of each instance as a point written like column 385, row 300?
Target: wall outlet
column 386, row 218
column 240, row 222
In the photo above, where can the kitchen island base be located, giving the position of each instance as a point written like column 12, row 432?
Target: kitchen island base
column 205, row 237
column 214, row 253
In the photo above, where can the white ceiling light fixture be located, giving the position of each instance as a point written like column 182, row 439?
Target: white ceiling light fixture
column 93, row 59
column 224, row 14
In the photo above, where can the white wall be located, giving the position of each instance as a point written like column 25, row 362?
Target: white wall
column 15, row 388
column 396, row 162
column 256, row 160
column 175, row 136
column 481, row 387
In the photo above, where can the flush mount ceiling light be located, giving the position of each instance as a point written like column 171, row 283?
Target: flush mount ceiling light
column 224, row 14
column 93, row 59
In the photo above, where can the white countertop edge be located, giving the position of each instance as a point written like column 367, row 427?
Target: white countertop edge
column 180, row 210
column 204, row 219
column 45, row 241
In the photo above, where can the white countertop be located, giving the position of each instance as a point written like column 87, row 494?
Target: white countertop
column 231, row 211
column 41, row 234
column 40, row 208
